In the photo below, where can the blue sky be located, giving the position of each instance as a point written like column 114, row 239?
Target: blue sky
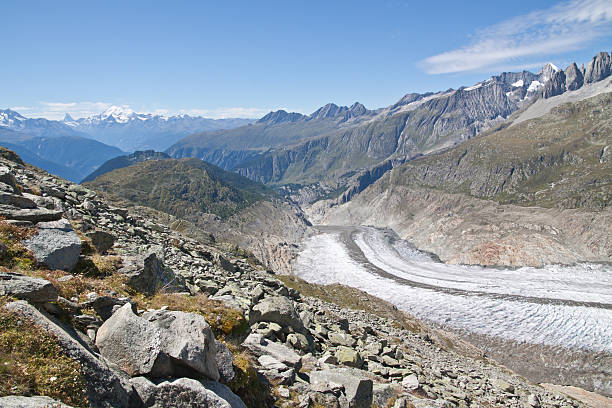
column 242, row 59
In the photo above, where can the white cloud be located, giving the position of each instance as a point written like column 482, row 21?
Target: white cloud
column 57, row 110
column 565, row 27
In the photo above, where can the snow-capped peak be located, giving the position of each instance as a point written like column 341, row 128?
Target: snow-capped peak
column 547, row 71
column 121, row 114
column 9, row 118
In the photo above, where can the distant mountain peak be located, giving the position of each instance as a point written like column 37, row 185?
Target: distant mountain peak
column 9, row 118
column 68, row 118
column 280, row 116
column 121, row 114
column 547, row 71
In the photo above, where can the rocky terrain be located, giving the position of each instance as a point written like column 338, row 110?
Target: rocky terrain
column 123, row 311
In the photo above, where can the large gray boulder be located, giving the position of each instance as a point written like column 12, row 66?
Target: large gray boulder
column 56, row 245
column 16, row 200
column 148, row 274
column 159, row 344
column 185, row 393
column 34, row 290
column 277, row 309
column 101, row 240
column 19, row 401
column 105, row 387
column 225, row 362
column 29, row 214
column 357, row 386
column 260, row 346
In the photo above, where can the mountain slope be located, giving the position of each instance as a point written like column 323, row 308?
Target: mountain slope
column 292, row 150
column 124, row 161
column 552, row 174
column 182, row 187
column 70, row 156
column 196, row 196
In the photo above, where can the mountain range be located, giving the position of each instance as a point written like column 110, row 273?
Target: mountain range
column 333, row 141
column 74, row 148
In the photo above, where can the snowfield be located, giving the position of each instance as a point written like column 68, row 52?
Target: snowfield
column 568, row 306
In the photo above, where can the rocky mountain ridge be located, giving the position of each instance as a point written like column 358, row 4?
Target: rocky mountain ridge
column 534, row 193
column 329, row 154
column 156, row 318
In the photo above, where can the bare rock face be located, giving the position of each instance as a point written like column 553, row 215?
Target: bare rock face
column 574, row 77
column 159, row 344
column 55, row 245
column 185, row 393
column 33, row 290
column 556, row 85
column 599, row 68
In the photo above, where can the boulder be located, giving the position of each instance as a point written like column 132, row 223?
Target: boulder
column 148, row 274
column 185, row 393
column 19, row 401
column 225, row 362
column 259, row 345
column 101, row 240
column 33, row 215
column 298, row 341
column 503, row 385
column 7, row 177
column 384, row 394
column 16, row 200
column 105, row 388
column 34, row 290
column 105, row 306
column 348, row 357
column 410, row 382
column 357, row 387
column 277, row 309
column 341, row 339
column 159, row 344
column 56, row 245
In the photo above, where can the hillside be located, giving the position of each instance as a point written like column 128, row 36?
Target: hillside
column 534, row 193
column 181, row 187
column 195, row 196
column 562, row 159
column 124, row 161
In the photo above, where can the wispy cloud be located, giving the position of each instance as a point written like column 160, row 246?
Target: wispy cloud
column 564, row 27
column 57, row 110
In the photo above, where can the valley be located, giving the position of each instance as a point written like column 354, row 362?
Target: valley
column 544, row 306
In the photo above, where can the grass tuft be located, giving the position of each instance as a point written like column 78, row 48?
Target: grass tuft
column 32, row 363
